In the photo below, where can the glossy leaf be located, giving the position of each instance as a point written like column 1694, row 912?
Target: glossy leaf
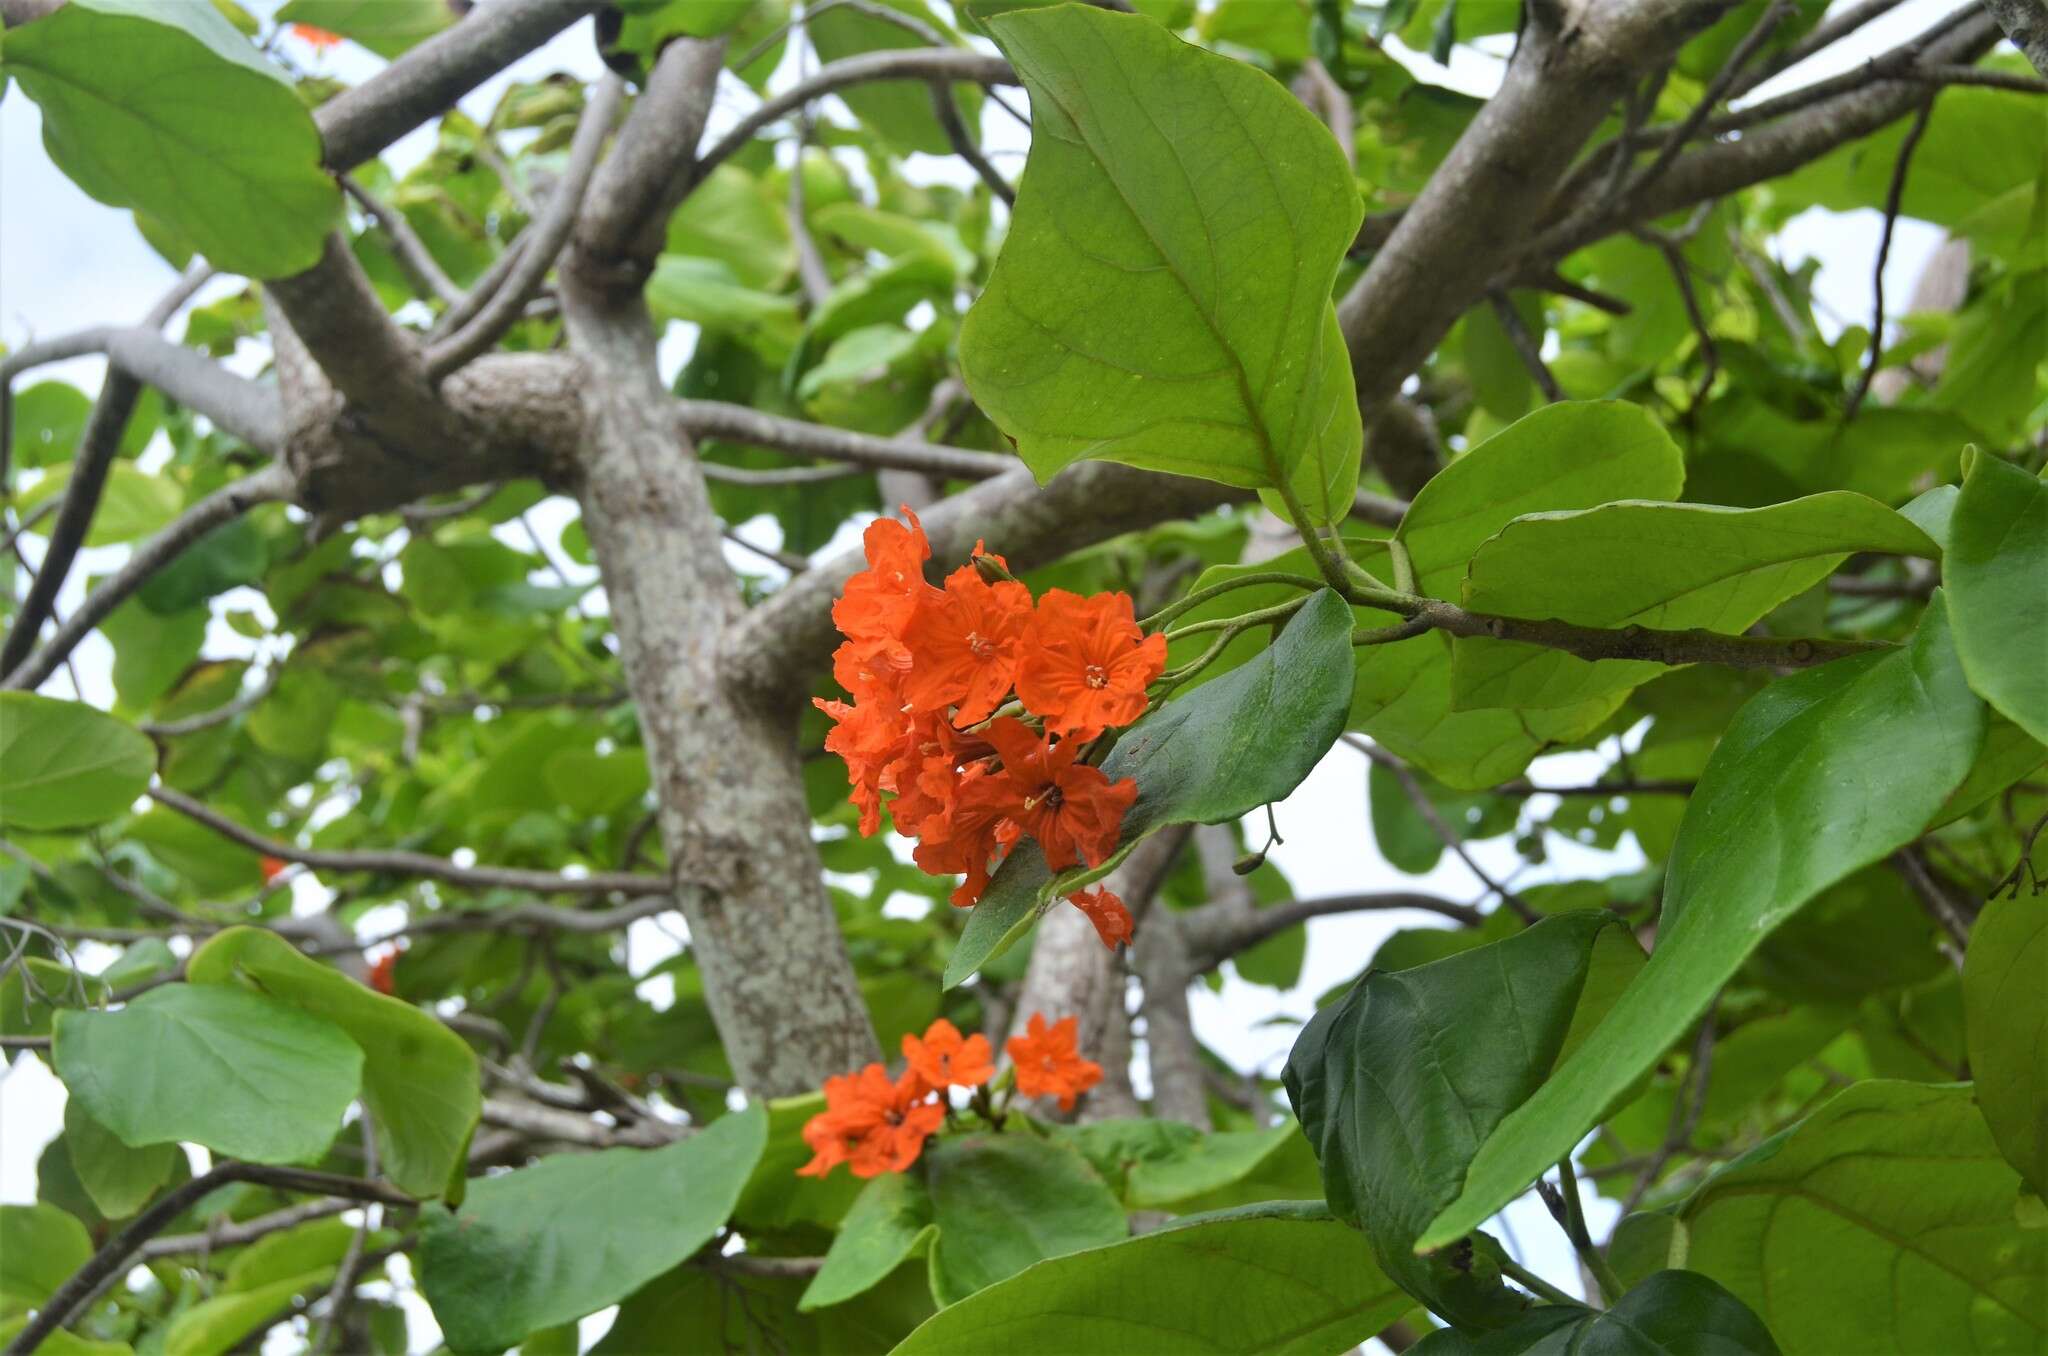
column 1282, row 1279
column 1668, row 566
column 550, row 1243
column 64, row 765
column 1997, row 562
column 233, row 164
column 1820, row 775
column 891, row 1220
column 1228, row 747
column 1397, row 1101
column 420, row 1080
column 1885, row 1221
column 2005, row 1004
column 1672, row 1313
column 244, row 1075
column 1003, row 1202
column 1163, row 297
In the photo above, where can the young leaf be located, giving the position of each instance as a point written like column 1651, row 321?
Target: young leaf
column 64, row 765
column 233, row 159
column 1003, row 1202
column 2005, row 1006
column 1820, row 775
column 1670, row 566
column 244, row 1075
column 550, row 1243
column 420, row 1079
column 1228, row 747
column 1673, row 1313
column 1163, row 298
column 1997, row 576
column 1885, row 1221
column 1399, row 1084
column 891, row 1220
column 1282, row 1279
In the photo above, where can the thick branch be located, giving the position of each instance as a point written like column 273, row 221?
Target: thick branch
column 409, row 863
column 2026, row 23
column 268, row 485
column 239, row 406
column 646, row 176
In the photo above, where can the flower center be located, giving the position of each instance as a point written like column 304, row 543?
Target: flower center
column 1095, row 676
column 979, row 645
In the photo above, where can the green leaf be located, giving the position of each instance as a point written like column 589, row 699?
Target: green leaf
column 64, row 765
column 1885, row 1221
column 2005, row 1006
column 63, row 1343
column 151, row 650
column 225, row 558
column 901, row 111
column 1397, row 1097
column 1228, row 747
column 213, row 1327
column 1995, row 572
column 390, row 28
column 1673, row 1313
column 1787, row 806
column 1163, row 296
column 1003, row 1202
column 32, row 991
column 168, row 110
column 48, row 417
column 293, row 1252
column 132, row 505
column 1669, row 566
column 550, row 1243
column 40, row 1246
column 244, row 1075
column 119, row 1179
column 707, row 293
column 891, row 1220
column 420, row 1080
column 733, row 218
column 1283, row 1279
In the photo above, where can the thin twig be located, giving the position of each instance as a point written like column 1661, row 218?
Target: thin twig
column 1527, row 347
column 414, row 259
column 1426, row 807
column 1685, row 1110
column 1892, row 198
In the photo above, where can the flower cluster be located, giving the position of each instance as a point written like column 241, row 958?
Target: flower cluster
column 875, row 1124
column 931, row 668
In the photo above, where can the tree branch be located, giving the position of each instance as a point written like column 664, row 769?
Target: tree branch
column 646, row 176
column 268, row 485
column 409, row 863
column 699, row 419
column 237, row 405
column 2026, row 23
column 413, row 256
column 1212, row 945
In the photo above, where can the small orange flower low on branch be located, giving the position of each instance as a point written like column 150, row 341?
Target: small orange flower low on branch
column 317, row 38
column 272, row 868
column 929, row 668
column 874, row 1123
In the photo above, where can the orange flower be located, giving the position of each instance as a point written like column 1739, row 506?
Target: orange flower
column 944, row 1059
column 867, row 735
column 1049, row 1064
column 879, row 601
column 381, row 971
column 1086, row 664
column 318, row 38
column 870, row 1123
column 272, row 868
column 1113, row 922
column 965, row 644
column 1073, row 810
column 971, row 835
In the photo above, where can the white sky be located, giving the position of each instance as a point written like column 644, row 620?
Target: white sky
column 68, row 262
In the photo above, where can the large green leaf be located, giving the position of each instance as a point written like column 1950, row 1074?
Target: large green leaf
column 1997, row 576
column 1672, row 1313
column 1226, row 748
column 890, row 1221
column 40, row 1246
column 119, row 1179
column 244, row 1075
column 390, row 28
column 2005, row 1006
column 1003, row 1202
column 168, row 110
column 550, row 1243
column 1883, row 1222
column 1163, row 298
column 1670, row 566
column 1396, row 1097
column 1283, row 1279
column 64, row 765
column 420, row 1079
column 1819, row 775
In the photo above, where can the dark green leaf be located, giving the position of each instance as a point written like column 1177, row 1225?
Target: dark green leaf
column 1998, row 600
column 1003, row 1202
column 891, row 1220
column 2005, row 1003
column 1821, row 774
column 1673, row 1313
column 119, row 1179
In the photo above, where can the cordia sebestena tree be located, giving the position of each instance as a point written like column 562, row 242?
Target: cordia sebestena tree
column 1281, row 406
